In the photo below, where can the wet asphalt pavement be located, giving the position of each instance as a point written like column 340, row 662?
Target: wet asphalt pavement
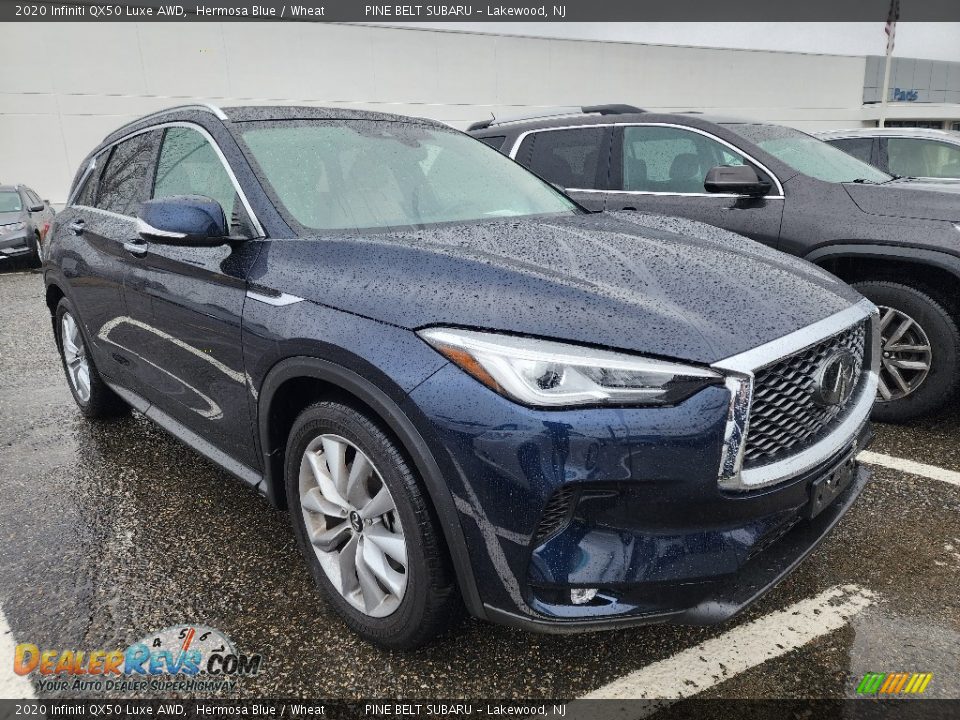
column 109, row 531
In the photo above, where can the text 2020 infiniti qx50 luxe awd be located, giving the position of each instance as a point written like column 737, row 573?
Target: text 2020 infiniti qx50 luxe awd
column 468, row 391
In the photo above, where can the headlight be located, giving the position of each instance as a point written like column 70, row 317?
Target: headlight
column 12, row 227
column 543, row 373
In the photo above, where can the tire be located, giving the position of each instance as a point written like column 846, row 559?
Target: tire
column 35, row 259
column 429, row 601
column 94, row 398
column 932, row 322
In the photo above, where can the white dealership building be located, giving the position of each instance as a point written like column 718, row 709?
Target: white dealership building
column 58, row 101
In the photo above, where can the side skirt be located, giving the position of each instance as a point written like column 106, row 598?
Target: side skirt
column 191, row 439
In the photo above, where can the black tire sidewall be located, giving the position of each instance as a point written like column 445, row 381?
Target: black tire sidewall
column 940, row 385
column 103, row 402
column 400, row 628
column 63, row 308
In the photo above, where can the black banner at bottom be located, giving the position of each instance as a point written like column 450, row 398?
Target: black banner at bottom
column 697, row 709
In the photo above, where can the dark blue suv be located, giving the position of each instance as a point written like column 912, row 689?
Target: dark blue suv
column 468, row 391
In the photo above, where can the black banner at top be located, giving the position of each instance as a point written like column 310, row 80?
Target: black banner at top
column 505, row 11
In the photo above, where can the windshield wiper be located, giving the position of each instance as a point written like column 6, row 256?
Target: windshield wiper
column 864, row 181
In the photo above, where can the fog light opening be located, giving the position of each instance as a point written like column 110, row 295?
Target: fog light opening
column 581, row 596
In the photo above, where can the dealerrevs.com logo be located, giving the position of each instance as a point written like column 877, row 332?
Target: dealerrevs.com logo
column 184, row 658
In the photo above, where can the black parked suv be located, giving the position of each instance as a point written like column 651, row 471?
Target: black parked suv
column 460, row 383
column 896, row 242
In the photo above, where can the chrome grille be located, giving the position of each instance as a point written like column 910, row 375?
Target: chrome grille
column 783, row 415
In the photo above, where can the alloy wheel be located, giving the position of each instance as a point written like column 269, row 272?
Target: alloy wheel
column 352, row 522
column 905, row 355
column 75, row 357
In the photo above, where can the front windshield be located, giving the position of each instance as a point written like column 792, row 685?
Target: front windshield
column 808, row 155
column 374, row 174
column 10, row 201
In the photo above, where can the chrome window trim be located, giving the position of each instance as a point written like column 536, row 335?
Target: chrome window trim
column 108, row 213
column 91, row 166
column 209, row 138
column 741, row 370
column 779, row 196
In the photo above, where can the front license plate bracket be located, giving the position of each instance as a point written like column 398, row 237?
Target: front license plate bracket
column 824, row 490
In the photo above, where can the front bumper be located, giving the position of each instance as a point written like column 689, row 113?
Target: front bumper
column 645, row 521
column 14, row 244
column 711, row 600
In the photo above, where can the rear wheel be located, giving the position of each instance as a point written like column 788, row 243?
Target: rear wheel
column 364, row 525
column 94, row 398
column 920, row 350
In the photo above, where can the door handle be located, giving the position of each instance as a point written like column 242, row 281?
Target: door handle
column 136, row 248
column 77, row 227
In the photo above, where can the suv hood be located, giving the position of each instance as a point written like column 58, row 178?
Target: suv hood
column 908, row 199
column 662, row 286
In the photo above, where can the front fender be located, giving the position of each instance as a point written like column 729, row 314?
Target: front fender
column 390, row 413
column 920, row 256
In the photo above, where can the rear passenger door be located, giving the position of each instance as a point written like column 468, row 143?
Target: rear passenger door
column 575, row 159
column 862, row 148
column 94, row 229
column 661, row 169
column 187, row 302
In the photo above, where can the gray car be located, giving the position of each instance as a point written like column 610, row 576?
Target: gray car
column 24, row 222
column 922, row 153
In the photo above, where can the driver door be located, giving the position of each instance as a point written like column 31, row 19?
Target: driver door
column 187, row 303
column 661, row 169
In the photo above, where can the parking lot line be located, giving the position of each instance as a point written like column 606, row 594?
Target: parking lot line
column 909, row 466
column 12, row 686
column 711, row 662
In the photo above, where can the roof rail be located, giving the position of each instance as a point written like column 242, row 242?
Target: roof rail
column 204, row 107
column 612, row 109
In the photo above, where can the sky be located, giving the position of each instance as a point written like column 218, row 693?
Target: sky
column 930, row 41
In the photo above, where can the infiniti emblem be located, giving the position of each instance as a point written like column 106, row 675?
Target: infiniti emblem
column 835, row 379
column 356, row 522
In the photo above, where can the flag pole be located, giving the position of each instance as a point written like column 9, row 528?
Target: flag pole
column 891, row 30
column 886, row 87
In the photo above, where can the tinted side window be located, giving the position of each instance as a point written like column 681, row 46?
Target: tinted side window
column 671, row 160
column 32, row 197
column 923, row 158
column 494, row 141
column 860, row 148
column 189, row 165
column 87, row 194
column 123, row 183
column 569, row 158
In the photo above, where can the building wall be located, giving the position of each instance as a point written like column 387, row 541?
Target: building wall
column 923, row 81
column 61, row 94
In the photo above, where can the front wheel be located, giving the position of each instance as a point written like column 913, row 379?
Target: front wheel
column 36, row 252
column 366, row 529
column 920, row 351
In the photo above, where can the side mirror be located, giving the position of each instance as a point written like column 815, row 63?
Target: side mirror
column 735, row 179
column 36, row 208
column 189, row 220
